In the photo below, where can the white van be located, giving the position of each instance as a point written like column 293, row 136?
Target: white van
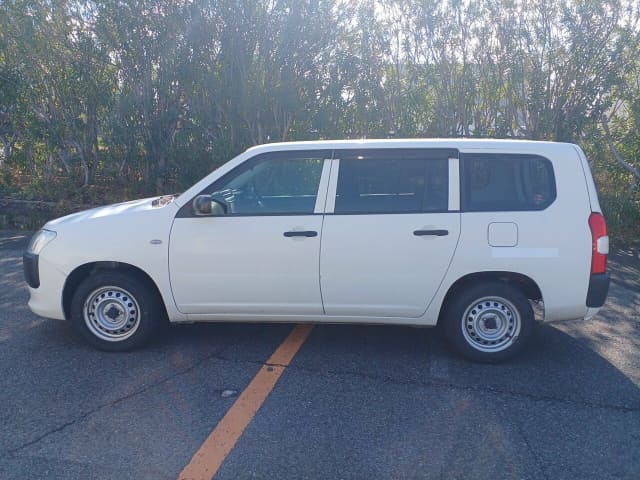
column 464, row 233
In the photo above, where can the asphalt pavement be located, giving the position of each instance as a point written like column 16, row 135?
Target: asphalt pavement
column 356, row 402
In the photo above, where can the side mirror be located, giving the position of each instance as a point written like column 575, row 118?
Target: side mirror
column 205, row 206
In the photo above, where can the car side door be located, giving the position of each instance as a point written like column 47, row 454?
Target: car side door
column 391, row 227
column 261, row 257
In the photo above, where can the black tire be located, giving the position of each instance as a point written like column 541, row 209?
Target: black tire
column 489, row 322
column 116, row 311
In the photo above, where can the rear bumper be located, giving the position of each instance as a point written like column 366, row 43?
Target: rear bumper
column 598, row 289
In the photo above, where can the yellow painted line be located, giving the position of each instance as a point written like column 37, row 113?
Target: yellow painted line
column 208, row 459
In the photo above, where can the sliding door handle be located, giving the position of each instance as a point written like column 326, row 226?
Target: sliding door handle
column 433, row 233
column 303, row 233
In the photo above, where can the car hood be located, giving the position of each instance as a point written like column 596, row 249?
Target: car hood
column 119, row 209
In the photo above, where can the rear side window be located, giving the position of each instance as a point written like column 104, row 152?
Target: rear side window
column 506, row 182
column 392, row 181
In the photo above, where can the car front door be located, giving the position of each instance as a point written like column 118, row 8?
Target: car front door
column 262, row 256
column 391, row 227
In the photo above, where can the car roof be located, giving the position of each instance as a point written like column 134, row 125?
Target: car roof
column 444, row 143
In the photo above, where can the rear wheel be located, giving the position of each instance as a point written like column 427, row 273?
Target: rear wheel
column 489, row 322
column 116, row 311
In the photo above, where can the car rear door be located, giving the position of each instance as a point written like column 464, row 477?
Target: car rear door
column 391, row 227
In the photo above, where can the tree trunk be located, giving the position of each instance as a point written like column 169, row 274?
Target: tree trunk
column 161, row 173
column 616, row 154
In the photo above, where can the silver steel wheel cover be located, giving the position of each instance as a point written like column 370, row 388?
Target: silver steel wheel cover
column 111, row 313
column 491, row 324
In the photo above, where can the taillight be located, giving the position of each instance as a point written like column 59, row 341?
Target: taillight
column 599, row 243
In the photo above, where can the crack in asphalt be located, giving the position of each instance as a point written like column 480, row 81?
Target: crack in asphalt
column 532, row 451
column 130, row 395
column 492, row 390
column 447, row 385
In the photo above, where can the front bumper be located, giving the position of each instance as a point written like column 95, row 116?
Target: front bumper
column 46, row 284
column 30, row 267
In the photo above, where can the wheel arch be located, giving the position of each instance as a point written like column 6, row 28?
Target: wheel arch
column 524, row 283
column 82, row 272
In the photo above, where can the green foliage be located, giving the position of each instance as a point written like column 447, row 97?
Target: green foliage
column 104, row 101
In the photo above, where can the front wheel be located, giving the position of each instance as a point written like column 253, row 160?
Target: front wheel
column 489, row 322
column 116, row 311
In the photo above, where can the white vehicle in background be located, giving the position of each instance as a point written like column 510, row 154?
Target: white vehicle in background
column 410, row 232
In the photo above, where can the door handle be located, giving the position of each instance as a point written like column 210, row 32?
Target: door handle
column 303, row 233
column 435, row 233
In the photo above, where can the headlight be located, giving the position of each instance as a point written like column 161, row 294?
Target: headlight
column 39, row 240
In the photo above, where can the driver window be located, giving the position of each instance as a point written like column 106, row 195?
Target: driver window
column 283, row 183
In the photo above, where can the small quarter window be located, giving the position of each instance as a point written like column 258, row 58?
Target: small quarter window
column 506, row 182
column 392, row 181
